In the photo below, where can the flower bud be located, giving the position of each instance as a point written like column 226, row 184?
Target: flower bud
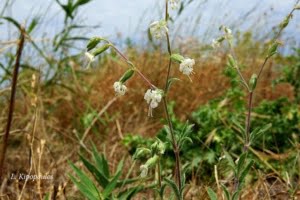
column 297, row 7
column 177, row 58
column 93, row 43
column 101, row 49
column 252, row 82
column 127, row 75
column 273, row 49
column 141, row 152
column 231, row 61
column 285, row 22
column 158, row 147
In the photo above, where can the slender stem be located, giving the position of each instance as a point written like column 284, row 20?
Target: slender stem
column 174, row 142
column 248, row 121
column 159, row 174
column 12, row 100
column 136, row 69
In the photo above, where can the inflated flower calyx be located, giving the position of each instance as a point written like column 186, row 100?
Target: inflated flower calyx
column 231, row 61
column 297, row 7
column 150, row 163
column 100, row 50
column 93, row 43
column 177, row 58
column 252, row 82
column 127, row 75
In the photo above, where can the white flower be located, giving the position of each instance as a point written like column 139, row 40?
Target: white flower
column 120, row 88
column 90, row 56
column 153, row 97
column 158, row 29
column 228, row 33
column 174, row 4
column 144, row 170
column 215, row 43
column 186, row 66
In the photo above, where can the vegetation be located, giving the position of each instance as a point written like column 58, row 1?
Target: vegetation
column 221, row 126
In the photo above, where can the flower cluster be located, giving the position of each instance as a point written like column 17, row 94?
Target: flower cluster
column 186, row 66
column 120, row 88
column 90, row 57
column 153, row 97
column 158, row 29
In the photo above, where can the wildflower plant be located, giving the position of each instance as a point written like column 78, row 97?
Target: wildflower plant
column 154, row 96
column 241, row 166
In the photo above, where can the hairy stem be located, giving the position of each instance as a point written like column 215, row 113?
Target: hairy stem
column 174, row 142
column 12, row 101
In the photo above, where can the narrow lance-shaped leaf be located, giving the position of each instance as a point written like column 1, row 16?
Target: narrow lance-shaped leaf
column 226, row 192
column 174, row 187
column 212, row 195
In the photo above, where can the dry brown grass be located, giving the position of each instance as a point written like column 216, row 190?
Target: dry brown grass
column 60, row 112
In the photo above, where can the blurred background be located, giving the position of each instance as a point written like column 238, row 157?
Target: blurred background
column 68, row 106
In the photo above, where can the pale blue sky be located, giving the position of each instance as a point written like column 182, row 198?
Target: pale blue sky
column 132, row 17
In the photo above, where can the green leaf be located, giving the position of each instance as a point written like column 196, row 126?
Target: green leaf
column 47, row 197
column 99, row 176
column 258, row 131
column 226, row 192
column 212, row 195
column 84, row 184
column 129, row 193
column 13, row 21
column 101, row 162
column 245, row 172
column 230, row 161
column 236, row 195
column 170, row 82
column 33, row 24
column 112, row 185
column 241, row 162
column 174, row 187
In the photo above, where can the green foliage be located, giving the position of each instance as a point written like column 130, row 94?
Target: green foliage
column 291, row 74
column 111, row 184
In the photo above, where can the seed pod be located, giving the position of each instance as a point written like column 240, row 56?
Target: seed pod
column 101, row 49
column 177, row 58
column 93, row 43
column 252, row 82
